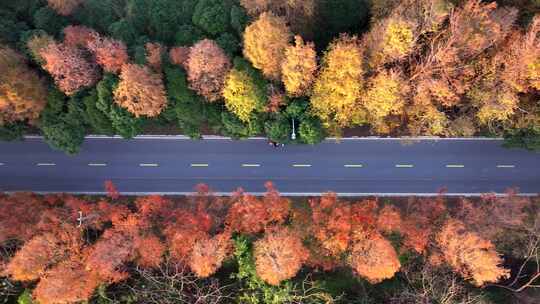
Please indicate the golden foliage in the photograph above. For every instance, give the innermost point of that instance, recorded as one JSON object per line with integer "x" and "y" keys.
{"x": 385, "y": 94}
{"x": 140, "y": 91}
{"x": 242, "y": 96}
{"x": 265, "y": 41}
{"x": 339, "y": 84}
{"x": 470, "y": 255}
{"x": 299, "y": 67}
{"x": 389, "y": 40}
{"x": 279, "y": 256}
{"x": 22, "y": 93}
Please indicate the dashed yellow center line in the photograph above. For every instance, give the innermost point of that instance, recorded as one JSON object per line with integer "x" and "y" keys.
{"x": 97, "y": 165}
{"x": 404, "y": 166}
{"x": 251, "y": 165}
{"x": 199, "y": 165}
{"x": 45, "y": 164}
{"x": 301, "y": 165}
{"x": 148, "y": 165}
{"x": 455, "y": 166}
{"x": 354, "y": 166}
{"x": 506, "y": 166}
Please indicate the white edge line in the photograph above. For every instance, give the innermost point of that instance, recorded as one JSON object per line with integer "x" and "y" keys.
{"x": 341, "y": 194}
{"x": 301, "y": 165}
{"x": 45, "y": 164}
{"x": 251, "y": 165}
{"x": 217, "y": 137}
{"x": 148, "y": 165}
{"x": 97, "y": 165}
{"x": 353, "y": 166}
{"x": 506, "y": 166}
{"x": 455, "y": 166}
{"x": 199, "y": 165}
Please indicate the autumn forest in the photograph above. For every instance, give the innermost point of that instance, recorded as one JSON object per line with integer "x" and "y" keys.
{"x": 271, "y": 249}
{"x": 241, "y": 68}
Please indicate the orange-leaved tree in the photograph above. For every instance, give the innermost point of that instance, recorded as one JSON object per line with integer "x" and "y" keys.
{"x": 265, "y": 41}
{"x": 207, "y": 255}
{"x": 373, "y": 257}
{"x": 78, "y": 35}
{"x": 279, "y": 256}
{"x": 207, "y": 66}
{"x": 249, "y": 214}
{"x": 111, "y": 54}
{"x": 140, "y": 91}
{"x": 70, "y": 67}
{"x": 470, "y": 255}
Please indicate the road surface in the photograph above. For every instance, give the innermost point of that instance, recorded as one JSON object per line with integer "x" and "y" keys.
{"x": 351, "y": 167}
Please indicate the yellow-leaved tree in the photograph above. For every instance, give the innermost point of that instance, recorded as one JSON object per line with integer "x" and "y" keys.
{"x": 242, "y": 95}
{"x": 22, "y": 92}
{"x": 385, "y": 94}
{"x": 299, "y": 67}
{"x": 337, "y": 90}
{"x": 265, "y": 41}
{"x": 390, "y": 39}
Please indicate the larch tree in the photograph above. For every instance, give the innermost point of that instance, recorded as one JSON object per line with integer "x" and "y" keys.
{"x": 338, "y": 87}
{"x": 154, "y": 55}
{"x": 67, "y": 282}
{"x": 385, "y": 94}
{"x": 22, "y": 93}
{"x": 35, "y": 257}
{"x": 149, "y": 251}
{"x": 390, "y": 39}
{"x": 373, "y": 257}
{"x": 207, "y": 66}
{"x": 70, "y": 67}
{"x": 471, "y": 256}
{"x": 179, "y": 55}
{"x": 36, "y": 43}
{"x": 300, "y": 14}
{"x": 78, "y": 35}
{"x": 110, "y": 54}
{"x": 242, "y": 95}
{"x": 522, "y": 59}
{"x": 140, "y": 91}
{"x": 249, "y": 214}
{"x": 265, "y": 41}
{"x": 208, "y": 254}
{"x": 279, "y": 256}
{"x": 299, "y": 67}
{"x": 331, "y": 223}
{"x": 64, "y": 7}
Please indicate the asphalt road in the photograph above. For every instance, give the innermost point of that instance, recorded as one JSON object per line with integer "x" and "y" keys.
{"x": 351, "y": 166}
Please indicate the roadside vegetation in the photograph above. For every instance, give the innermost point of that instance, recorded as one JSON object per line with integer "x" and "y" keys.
{"x": 60, "y": 248}
{"x": 249, "y": 67}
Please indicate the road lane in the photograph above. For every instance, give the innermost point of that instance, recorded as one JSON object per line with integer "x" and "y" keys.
{"x": 351, "y": 166}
